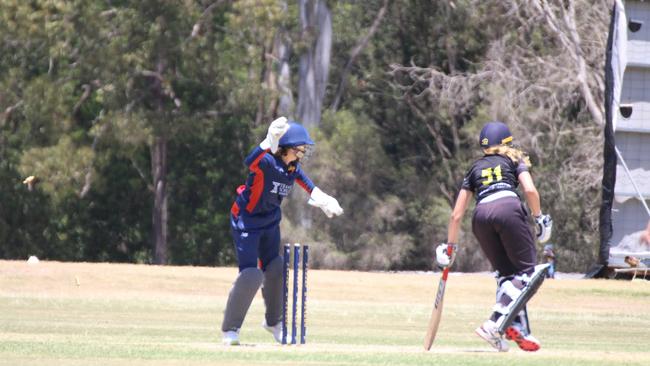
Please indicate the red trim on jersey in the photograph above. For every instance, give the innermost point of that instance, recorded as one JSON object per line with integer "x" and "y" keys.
{"x": 257, "y": 187}
{"x": 234, "y": 209}
{"x": 303, "y": 185}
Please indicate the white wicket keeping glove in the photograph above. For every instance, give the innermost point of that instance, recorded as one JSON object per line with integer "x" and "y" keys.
{"x": 325, "y": 202}
{"x": 276, "y": 130}
{"x": 543, "y": 227}
{"x": 445, "y": 255}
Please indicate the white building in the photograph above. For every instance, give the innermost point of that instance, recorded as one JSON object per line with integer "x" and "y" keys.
{"x": 632, "y": 136}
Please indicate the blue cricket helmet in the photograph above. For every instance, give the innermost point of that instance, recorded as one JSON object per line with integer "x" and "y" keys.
{"x": 296, "y": 135}
{"x": 495, "y": 133}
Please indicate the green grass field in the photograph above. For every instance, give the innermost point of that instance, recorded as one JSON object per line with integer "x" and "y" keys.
{"x": 115, "y": 314}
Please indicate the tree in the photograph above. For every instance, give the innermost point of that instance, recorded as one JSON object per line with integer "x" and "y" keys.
{"x": 106, "y": 81}
{"x": 135, "y": 116}
{"x": 154, "y": 58}
{"x": 528, "y": 78}
{"x": 316, "y": 39}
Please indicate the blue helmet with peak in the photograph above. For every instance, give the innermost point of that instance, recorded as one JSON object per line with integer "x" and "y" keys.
{"x": 495, "y": 133}
{"x": 296, "y": 135}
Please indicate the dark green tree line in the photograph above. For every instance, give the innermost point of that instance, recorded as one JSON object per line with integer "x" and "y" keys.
{"x": 135, "y": 117}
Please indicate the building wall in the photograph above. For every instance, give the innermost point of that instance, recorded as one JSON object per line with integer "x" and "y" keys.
{"x": 633, "y": 133}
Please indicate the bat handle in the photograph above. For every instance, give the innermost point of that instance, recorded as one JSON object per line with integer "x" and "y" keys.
{"x": 451, "y": 252}
{"x": 450, "y": 249}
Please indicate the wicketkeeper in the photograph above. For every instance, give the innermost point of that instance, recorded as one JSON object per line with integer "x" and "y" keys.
{"x": 274, "y": 166}
{"x": 500, "y": 224}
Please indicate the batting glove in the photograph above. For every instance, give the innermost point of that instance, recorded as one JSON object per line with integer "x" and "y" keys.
{"x": 276, "y": 130}
{"x": 445, "y": 254}
{"x": 543, "y": 227}
{"x": 325, "y": 202}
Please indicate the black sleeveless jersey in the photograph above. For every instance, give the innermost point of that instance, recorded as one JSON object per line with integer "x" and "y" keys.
{"x": 491, "y": 174}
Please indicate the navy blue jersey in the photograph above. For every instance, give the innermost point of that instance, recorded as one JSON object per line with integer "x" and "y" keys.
{"x": 270, "y": 180}
{"x": 491, "y": 174}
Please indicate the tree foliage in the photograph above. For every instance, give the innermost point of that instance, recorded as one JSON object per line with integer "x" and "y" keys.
{"x": 135, "y": 117}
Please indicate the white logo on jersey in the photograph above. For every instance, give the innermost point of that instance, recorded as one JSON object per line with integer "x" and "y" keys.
{"x": 280, "y": 188}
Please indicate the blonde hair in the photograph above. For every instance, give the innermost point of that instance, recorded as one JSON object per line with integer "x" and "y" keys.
{"x": 514, "y": 154}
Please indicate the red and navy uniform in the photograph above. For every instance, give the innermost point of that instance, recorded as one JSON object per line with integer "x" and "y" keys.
{"x": 256, "y": 213}
{"x": 500, "y": 221}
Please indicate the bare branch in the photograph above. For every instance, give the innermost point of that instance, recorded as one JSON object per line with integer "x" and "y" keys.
{"x": 152, "y": 74}
{"x": 568, "y": 35}
{"x": 142, "y": 175}
{"x": 196, "y": 29}
{"x": 88, "y": 179}
{"x": 356, "y": 51}
{"x": 87, "y": 89}
{"x": 9, "y": 111}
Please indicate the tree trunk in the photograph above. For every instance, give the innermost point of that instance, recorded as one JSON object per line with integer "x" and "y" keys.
{"x": 316, "y": 22}
{"x": 159, "y": 214}
{"x": 285, "y": 104}
{"x": 278, "y": 78}
{"x": 159, "y": 173}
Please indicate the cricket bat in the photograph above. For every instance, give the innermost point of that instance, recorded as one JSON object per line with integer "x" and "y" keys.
{"x": 436, "y": 314}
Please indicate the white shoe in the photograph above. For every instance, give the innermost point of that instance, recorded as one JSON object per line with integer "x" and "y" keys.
{"x": 276, "y": 330}
{"x": 488, "y": 331}
{"x": 231, "y": 338}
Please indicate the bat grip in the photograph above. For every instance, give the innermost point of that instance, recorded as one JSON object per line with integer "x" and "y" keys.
{"x": 450, "y": 249}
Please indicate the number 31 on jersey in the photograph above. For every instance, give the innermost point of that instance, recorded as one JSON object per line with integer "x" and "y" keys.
{"x": 491, "y": 175}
